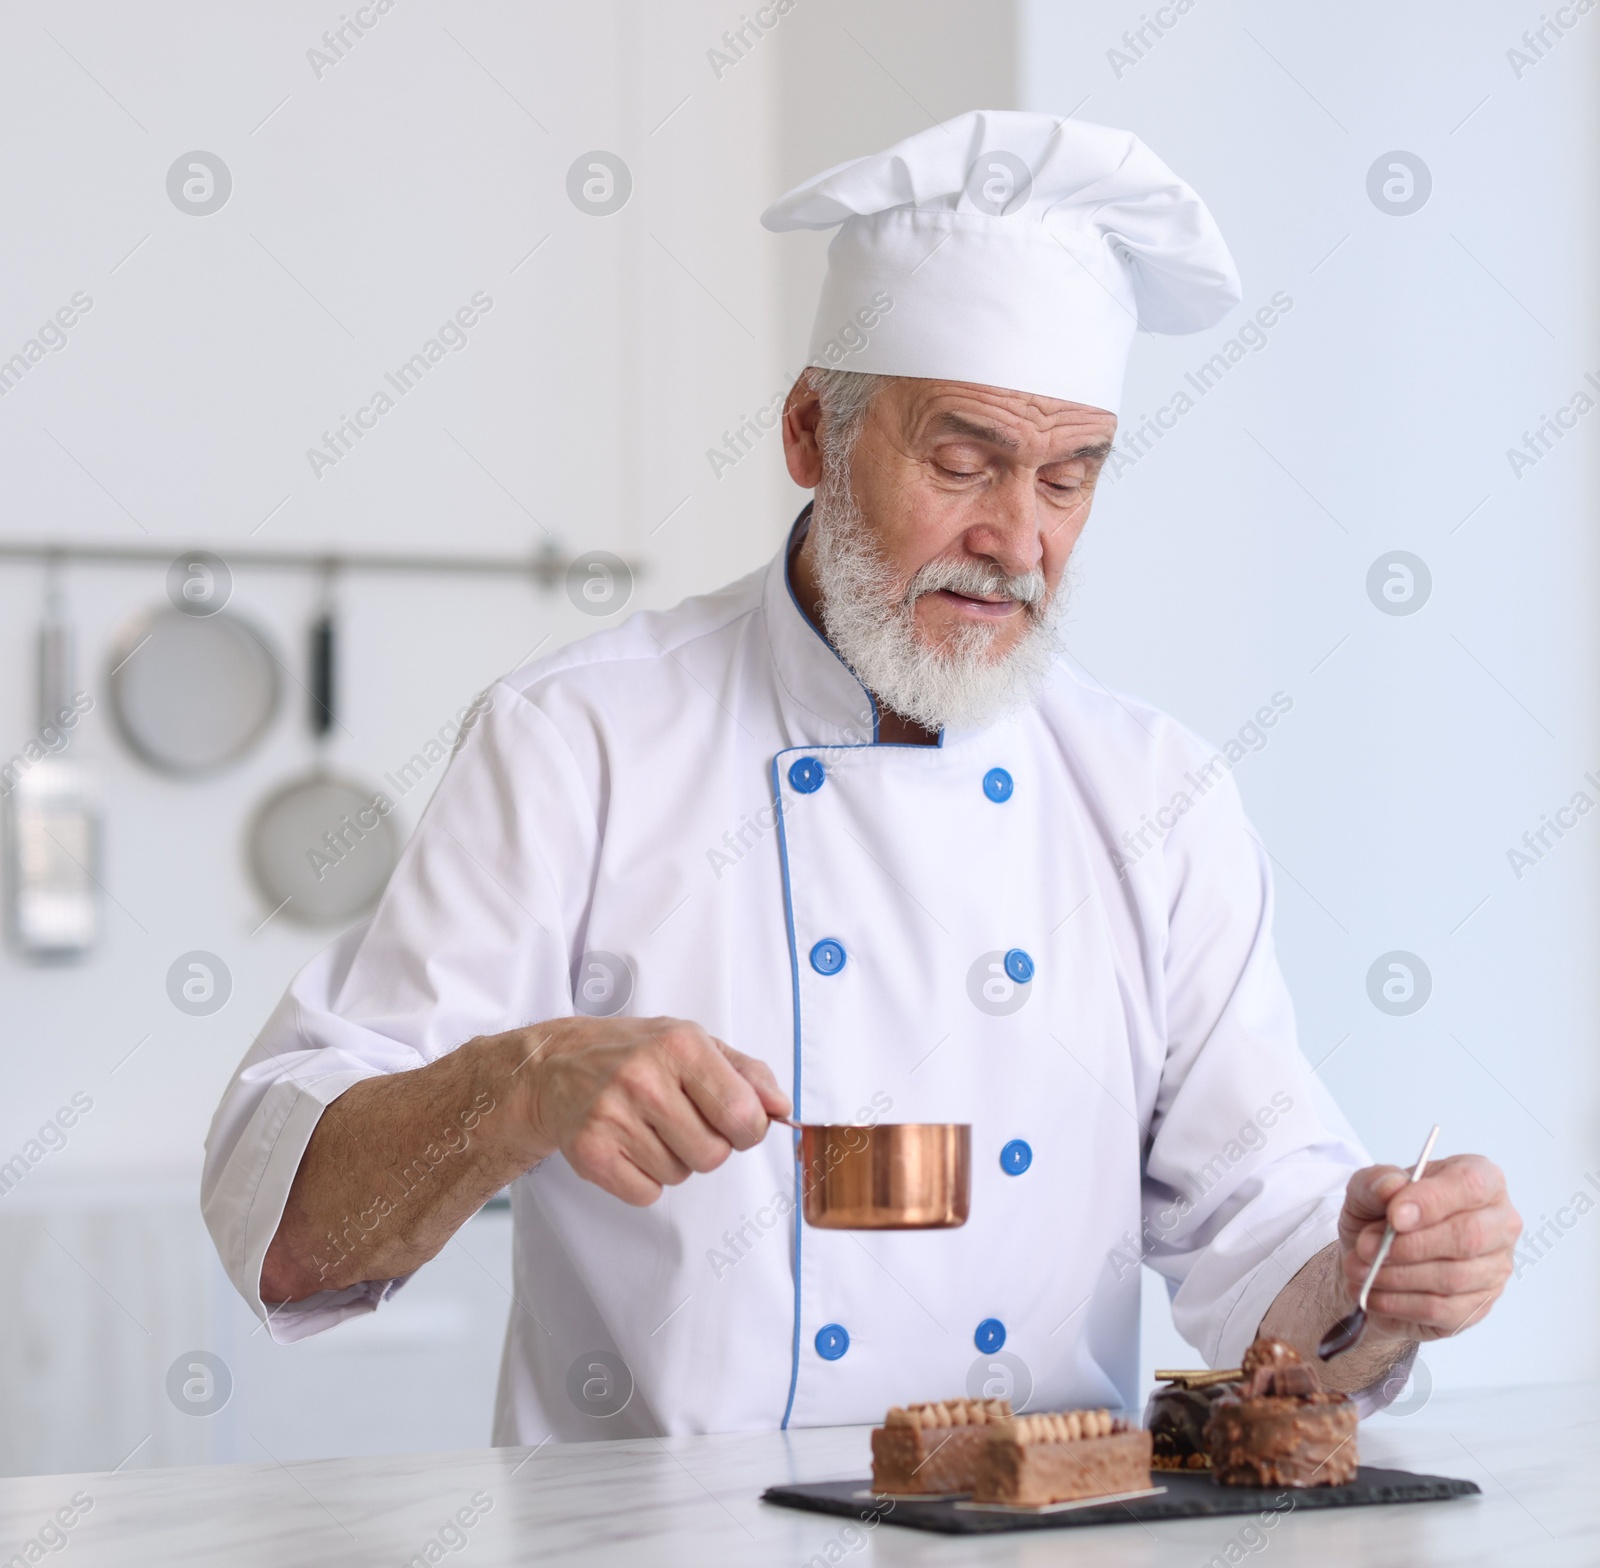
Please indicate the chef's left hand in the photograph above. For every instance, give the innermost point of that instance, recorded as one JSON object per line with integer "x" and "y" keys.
{"x": 1452, "y": 1253}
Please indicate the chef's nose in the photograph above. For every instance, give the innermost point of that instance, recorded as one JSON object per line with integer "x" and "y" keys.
{"x": 1008, "y": 530}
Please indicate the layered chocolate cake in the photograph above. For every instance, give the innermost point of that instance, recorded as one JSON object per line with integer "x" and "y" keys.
{"x": 1281, "y": 1427}
{"x": 1176, "y": 1417}
{"x": 1033, "y": 1460}
{"x": 932, "y": 1449}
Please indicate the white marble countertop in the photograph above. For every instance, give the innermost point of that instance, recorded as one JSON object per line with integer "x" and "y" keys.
{"x": 696, "y": 1502}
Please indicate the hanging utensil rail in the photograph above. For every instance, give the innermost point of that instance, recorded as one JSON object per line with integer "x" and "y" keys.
{"x": 546, "y": 566}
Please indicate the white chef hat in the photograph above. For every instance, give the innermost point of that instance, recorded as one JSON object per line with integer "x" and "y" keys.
{"x": 1009, "y": 249}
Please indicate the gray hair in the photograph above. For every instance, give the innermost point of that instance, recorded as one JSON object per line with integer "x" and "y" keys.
{"x": 845, "y": 396}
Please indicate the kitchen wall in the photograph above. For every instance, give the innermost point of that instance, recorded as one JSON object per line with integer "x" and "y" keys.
{"x": 1352, "y": 508}
{"x": 426, "y": 165}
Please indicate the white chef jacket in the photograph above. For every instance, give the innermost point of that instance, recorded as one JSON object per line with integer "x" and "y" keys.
{"x": 689, "y": 816}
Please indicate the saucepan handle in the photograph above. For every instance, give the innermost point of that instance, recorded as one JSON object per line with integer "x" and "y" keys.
{"x": 322, "y": 674}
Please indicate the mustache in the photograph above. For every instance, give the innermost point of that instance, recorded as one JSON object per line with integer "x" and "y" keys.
{"x": 979, "y": 579}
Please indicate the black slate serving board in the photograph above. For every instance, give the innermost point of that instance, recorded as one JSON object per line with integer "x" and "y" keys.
{"x": 1188, "y": 1495}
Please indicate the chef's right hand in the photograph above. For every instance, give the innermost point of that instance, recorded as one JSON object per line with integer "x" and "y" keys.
{"x": 636, "y": 1104}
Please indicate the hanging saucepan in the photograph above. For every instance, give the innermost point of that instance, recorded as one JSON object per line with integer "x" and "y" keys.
{"x": 892, "y": 1176}
{"x": 321, "y": 847}
{"x": 191, "y": 692}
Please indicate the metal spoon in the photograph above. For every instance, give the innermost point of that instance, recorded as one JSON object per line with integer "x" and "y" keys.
{"x": 1349, "y": 1329}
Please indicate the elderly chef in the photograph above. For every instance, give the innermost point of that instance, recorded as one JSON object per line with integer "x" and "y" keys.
{"x": 847, "y": 837}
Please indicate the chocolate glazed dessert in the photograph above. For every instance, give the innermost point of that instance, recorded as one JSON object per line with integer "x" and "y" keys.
{"x": 1282, "y": 1428}
{"x": 1176, "y": 1417}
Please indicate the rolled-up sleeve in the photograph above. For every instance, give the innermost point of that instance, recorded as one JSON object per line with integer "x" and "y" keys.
{"x": 1247, "y": 1158}
{"x": 470, "y": 938}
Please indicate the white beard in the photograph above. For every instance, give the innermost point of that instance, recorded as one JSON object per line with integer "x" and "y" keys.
{"x": 869, "y": 618}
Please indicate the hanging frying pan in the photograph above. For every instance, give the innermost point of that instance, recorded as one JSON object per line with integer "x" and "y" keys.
{"x": 321, "y": 847}
{"x": 191, "y": 693}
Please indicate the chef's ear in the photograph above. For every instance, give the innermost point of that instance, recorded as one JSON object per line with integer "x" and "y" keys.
{"x": 802, "y": 417}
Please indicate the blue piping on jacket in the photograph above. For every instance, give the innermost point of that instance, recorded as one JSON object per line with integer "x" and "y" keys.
{"x": 801, "y": 522}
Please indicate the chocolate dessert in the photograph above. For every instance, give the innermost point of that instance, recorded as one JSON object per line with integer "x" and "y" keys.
{"x": 1033, "y": 1460}
{"x": 1281, "y": 1427}
{"x": 1176, "y": 1417}
{"x": 932, "y": 1449}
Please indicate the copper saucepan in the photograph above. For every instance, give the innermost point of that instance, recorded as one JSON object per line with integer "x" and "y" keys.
{"x": 894, "y": 1176}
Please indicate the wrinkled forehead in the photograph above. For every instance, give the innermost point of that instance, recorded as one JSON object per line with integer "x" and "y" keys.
{"x": 1024, "y": 424}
